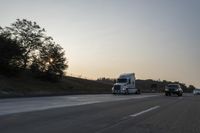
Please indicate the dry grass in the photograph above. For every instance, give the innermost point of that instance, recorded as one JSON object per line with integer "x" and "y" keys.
{"x": 25, "y": 86}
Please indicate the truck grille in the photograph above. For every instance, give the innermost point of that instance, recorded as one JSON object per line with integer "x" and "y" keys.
{"x": 172, "y": 89}
{"x": 117, "y": 87}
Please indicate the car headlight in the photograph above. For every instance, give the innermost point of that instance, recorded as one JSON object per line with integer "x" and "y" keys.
{"x": 166, "y": 89}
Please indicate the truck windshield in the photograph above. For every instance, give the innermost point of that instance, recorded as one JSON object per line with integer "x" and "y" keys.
{"x": 121, "y": 80}
{"x": 172, "y": 86}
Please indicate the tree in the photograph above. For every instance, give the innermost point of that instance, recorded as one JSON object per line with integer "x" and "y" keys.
{"x": 51, "y": 62}
{"x": 28, "y": 34}
{"x": 191, "y": 87}
{"x": 10, "y": 56}
{"x": 40, "y": 53}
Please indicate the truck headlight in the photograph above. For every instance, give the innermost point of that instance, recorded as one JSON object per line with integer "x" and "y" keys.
{"x": 124, "y": 89}
{"x": 166, "y": 89}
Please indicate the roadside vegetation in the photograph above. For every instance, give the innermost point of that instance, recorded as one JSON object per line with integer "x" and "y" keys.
{"x": 25, "y": 85}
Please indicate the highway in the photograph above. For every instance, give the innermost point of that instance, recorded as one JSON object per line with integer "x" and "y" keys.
{"x": 146, "y": 113}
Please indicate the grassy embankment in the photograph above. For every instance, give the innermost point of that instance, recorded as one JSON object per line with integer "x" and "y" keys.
{"x": 26, "y": 86}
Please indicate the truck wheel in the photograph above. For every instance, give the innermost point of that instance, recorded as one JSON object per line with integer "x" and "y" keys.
{"x": 138, "y": 92}
{"x": 180, "y": 94}
{"x": 127, "y": 92}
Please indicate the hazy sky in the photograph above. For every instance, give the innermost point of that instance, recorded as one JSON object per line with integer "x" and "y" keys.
{"x": 158, "y": 39}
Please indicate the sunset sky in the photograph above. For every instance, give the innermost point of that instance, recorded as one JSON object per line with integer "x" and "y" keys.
{"x": 155, "y": 39}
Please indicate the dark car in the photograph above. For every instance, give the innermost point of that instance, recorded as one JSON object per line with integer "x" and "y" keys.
{"x": 196, "y": 91}
{"x": 173, "y": 89}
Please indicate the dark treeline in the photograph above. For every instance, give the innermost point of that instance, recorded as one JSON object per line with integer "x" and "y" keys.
{"x": 106, "y": 80}
{"x": 24, "y": 46}
{"x": 150, "y": 85}
{"x": 159, "y": 86}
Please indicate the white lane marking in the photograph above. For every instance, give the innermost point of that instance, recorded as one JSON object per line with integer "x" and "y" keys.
{"x": 145, "y": 111}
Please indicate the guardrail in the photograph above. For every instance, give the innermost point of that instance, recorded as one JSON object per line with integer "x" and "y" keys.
{"x": 79, "y": 76}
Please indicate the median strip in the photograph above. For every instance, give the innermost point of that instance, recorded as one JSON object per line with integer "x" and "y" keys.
{"x": 145, "y": 111}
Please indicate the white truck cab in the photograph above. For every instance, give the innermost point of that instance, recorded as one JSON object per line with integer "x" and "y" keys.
{"x": 125, "y": 84}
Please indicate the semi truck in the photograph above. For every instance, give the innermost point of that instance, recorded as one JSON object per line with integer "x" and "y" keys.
{"x": 125, "y": 84}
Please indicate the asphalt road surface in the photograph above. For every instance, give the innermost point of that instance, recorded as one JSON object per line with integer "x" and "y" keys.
{"x": 146, "y": 113}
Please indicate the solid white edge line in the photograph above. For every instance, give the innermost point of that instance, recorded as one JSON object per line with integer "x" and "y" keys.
{"x": 145, "y": 111}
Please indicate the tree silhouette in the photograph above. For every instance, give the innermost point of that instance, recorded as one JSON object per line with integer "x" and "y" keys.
{"x": 191, "y": 87}
{"x": 28, "y": 34}
{"x": 51, "y": 62}
{"x": 10, "y": 56}
{"x": 39, "y": 52}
